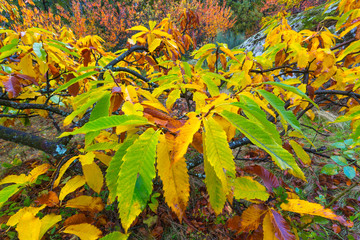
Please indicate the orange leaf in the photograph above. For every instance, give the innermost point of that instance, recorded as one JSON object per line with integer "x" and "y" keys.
{"x": 251, "y": 217}
{"x": 77, "y": 219}
{"x": 223, "y": 61}
{"x": 185, "y": 137}
{"x": 50, "y": 199}
{"x": 86, "y": 203}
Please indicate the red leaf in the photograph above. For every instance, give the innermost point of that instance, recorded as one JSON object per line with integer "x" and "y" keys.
{"x": 74, "y": 88}
{"x": 26, "y": 77}
{"x": 12, "y": 86}
{"x": 269, "y": 179}
{"x": 336, "y": 228}
{"x": 85, "y": 53}
{"x": 234, "y": 223}
{"x": 282, "y": 229}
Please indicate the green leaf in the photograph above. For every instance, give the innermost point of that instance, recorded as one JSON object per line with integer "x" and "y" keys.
{"x": 41, "y": 30}
{"x": 248, "y": 189}
{"x": 340, "y": 160}
{"x": 340, "y": 145}
{"x": 101, "y": 146}
{"x": 214, "y": 187}
{"x": 101, "y": 108}
{"x": 64, "y": 49}
{"x": 330, "y": 169}
{"x": 74, "y": 80}
{"x": 108, "y": 122}
{"x": 255, "y": 114}
{"x": 7, "y": 192}
{"x": 116, "y": 236}
{"x": 213, "y": 89}
{"x": 134, "y": 185}
{"x": 349, "y": 172}
{"x": 279, "y": 106}
{"x": 113, "y": 170}
{"x": 39, "y": 51}
{"x": 218, "y": 151}
{"x": 187, "y": 69}
{"x": 265, "y": 141}
{"x": 292, "y": 89}
{"x": 9, "y": 53}
{"x": 8, "y": 47}
{"x": 353, "y": 47}
{"x": 94, "y": 98}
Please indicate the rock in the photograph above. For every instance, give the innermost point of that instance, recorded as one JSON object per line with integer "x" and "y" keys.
{"x": 309, "y": 19}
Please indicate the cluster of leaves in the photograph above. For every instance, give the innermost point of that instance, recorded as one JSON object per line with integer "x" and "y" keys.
{"x": 96, "y": 18}
{"x": 126, "y": 105}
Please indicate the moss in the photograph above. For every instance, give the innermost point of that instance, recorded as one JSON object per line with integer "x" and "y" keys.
{"x": 311, "y": 18}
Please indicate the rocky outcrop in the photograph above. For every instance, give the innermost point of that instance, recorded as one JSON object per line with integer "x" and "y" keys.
{"x": 310, "y": 19}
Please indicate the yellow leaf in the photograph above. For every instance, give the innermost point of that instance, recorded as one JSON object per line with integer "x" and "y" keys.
{"x": 300, "y": 152}
{"x": 87, "y": 158}
{"x": 172, "y": 97}
{"x": 138, "y": 28}
{"x": 14, "y": 219}
{"x": 154, "y": 44}
{"x": 71, "y": 186}
{"x": 37, "y": 172}
{"x": 47, "y": 222}
{"x": 152, "y": 24}
{"x": 132, "y": 109}
{"x": 185, "y": 136}
{"x": 268, "y": 228}
{"x": 156, "y": 105}
{"x": 229, "y": 53}
{"x": 84, "y": 231}
{"x": 247, "y": 188}
{"x": 105, "y": 159}
{"x": 94, "y": 177}
{"x": 86, "y": 203}
{"x": 229, "y": 129}
{"x": 211, "y": 59}
{"x": 162, "y": 33}
{"x": 303, "y": 58}
{"x": 130, "y": 94}
{"x": 63, "y": 170}
{"x": 21, "y": 179}
{"x": 305, "y": 207}
{"x": 26, "y": 66}
{"x": 175, "y": 177}
{"x": 25, "y": 231}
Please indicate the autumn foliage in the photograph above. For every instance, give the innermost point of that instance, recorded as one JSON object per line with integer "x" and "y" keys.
{"x": 147, "y": 122}
{"x": 110, "y": 23}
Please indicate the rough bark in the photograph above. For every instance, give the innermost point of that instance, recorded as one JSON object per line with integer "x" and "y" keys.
{"x": 55, "y": 149}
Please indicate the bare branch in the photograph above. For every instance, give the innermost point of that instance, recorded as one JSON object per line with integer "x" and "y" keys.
{"x": 55, "y": 149}
{"x": 22, "y": 106}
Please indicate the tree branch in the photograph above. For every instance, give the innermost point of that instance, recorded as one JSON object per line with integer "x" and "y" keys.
{"x": 55, "y": 149}
{"x": 132, "y": 72}
{"x": 337, "y": 92}
{"x": 22, "y": 106}
{"x": 124, "y": 55}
